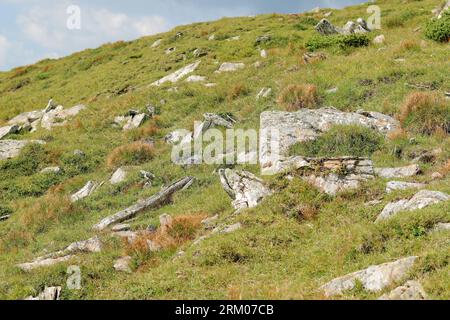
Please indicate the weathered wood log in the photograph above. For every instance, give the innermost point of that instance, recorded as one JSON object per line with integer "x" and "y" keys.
{"x": 158, "y": 199}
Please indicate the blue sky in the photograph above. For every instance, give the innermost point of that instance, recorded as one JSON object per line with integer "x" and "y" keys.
{"x": 31, "y": 30}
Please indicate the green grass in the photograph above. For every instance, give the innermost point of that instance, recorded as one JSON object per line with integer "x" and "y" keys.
{"x": 291, "y": 244}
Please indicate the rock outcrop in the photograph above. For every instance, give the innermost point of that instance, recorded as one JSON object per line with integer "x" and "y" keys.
{"x": 246, "y": 190}
{"x": 280, "y": 130}
{"x": 58, "y": 117}
{"x": 11, "y": 148}
{"x": 325, "y": 27}
{"x": 49, "y": 294}
{"x": 373, "y": 279}
{"x": 87, "y": 246}
{"x": 177, "y": 75}
{"x": 158, "y": 199}
{"x": 421, "y": 200}
{"x": 402, "y": 172}
{"x": 412, "y": 290}
{"x": 4, "y": 131}
{"x": 400, "y": 185}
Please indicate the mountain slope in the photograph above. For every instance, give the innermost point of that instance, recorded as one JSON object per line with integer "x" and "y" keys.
{"x": 278, "y": 253}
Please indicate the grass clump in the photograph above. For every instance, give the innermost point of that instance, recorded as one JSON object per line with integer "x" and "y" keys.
{"x": 425, "y": 113}
{"x": 439, "y": 29}
{"x": 341, "y": 140}
{"x": 338, "y": 41}
{"x": 295, "y": 97}
{"x": 133, "y": 154}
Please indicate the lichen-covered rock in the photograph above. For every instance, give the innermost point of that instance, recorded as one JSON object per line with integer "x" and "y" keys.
{"x": 4, "y": 131}
{"x": 123, "y": 264}
{"x": 402, "y": 172}
{"x": 58, "y": 117}
{"x": 135, "y": 122}
{"x": 51, "y": 170}
{"x": 421, "y": 200}
{"x": 246, "y": 190}
{"x": 85, "y": 192}
{"x": 412, "y": 290}
{"x": 400, "y": 185}
{"x": 230, "y": 67}
{"x": 49, "y": 294}
{"x": 373, "y": 279}
{"x": 280, "y": 130}
{"x": 325, "y": 28}
{"x": 119, "y": 176}
{"x": 11, "y": 148}
{"x": 177, "y": 75}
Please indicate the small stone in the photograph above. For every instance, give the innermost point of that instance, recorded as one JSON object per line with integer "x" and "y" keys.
{"x": 209, "y": 222}
{"x": 332, "y": 90}
{"x": 196, "y": 79}
{"x": 165, "y": 222}
{"x": 412, "y": 290}
{"x": 123, "y": 265}
{"x": 156, "y": 43}
{"x": 51, "y": 170}
{"x": 230, "y": 67}
{"x": 170, "y": 50}
{"x": 121, "y": 227}
{"x": 119, "y": 176}
{"x": 177, "y": 75}
{"x": 379, "y": 39}
{"x": 263, "y": 54}
{"x": 441, "y": 227}
{"x": 49, "y": 294}
{"x": 399, "y": 185}
{"x": 85, "y": 192}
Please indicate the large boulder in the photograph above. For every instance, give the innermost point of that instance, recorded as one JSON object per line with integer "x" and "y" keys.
{"x": 421, "y": 200}
{"x": 280, "y": 130}
{"x": 177, "y": 75}
{"x": 246, "y": 190}
{"x": 373, "y": 279}
{"x": 11, "y": 148}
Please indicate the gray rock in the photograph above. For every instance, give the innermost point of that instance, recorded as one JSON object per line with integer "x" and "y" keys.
{"x": 11, "y": 148}
{"x": 171, "y": 50}
{"x": 49, "y": 294}
{"x": 230, "y": 67}
{"x": 399, "y": 185}
{"x": 263, "y": 54}
{"x": 402, "y": 172}
{"x": 289, "y": 128}
{"x": 119, "y": 176}
{"x": 135, "y": 122}
{"x": 165, "y": 222}
{"x": 246, "y": 190}
{"x": 210, "y": 222}
{"x": 263, "y": 39}
{"x": 373, "y": 279}
{"x": 4, "y": 131}
{"x": 412, "y": 290}
{"x": 229, "y": 229}
{"x": 381, "y": 39}
{"x": 51, "y": 170}
{"x": 198, "y": 53}
{"x": 123, "y": 264}
{"x": 121, "y": 227}
{"x": 85, "y": 192}
{"x": 421, "y": 200}
{"x": 325, "y": 28}
{"x": 157, "y": 43}
{"x": 196, "y": 79}
{"x": 441, "y": 227}
{"x": 178, "y": 75}
{"x": 58, "y": 117}
{"x": 26, "y": 117}
{"x": 178, "y": 137}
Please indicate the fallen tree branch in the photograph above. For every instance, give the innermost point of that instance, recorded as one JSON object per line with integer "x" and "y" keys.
{"x": 152, "y": 202}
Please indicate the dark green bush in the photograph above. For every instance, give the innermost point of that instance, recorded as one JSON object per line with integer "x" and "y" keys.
{"x": 339, "y": 41}
{"x": 439, "y": 29}
{"x": 341, "y": 140}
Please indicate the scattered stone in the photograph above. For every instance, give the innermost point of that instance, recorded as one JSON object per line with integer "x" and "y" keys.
{"x": 210, "y": 85}
{"x": 148, "y": 178}
{"x": 177, "y": 75}
{"x": 212, "y": 37}
{"x": 170, "y": 50}
{"x": 178, "y": 137}
{"x": 88, "y": 246}
{"x": 123, "y": 264}
{"x": 216, "y": 120}
{"x": 11, "y": 148}
{"x": 412, "y": 290}
{"x": 228, "y": 229}
{"x": 85, "y": 192}
{"x": 264, "y": 93}
{"x": 402, "y": 172}
{"x": 5, "y": 217}
{"x": 373, "y": 203}
{"x": 27, "y": 117}
{"x": 325, "y": 28}
{"x": 49, "y": 294}
{"x": 198, "y": 53}
{"x": 399, "y": 185}
{"x": 51, "y": 170}
{"x": 156, "y": 43}
{"x": 332, "y": 90}
{"x": 246, "y": 190}
{"x": 263, "y": 54}
{"x": 135, "y": 121}
{"x": 440, "y": 11}
{"x": 121, "y": 227}
{"x": 373, "y": 279}
{"x": 158, "y": 199}
{"x": 427, "y": 156}
{"x": 308, "y": 124}
{"x": 421, "y": 200}
{"x": 4, "y": 131}
{"x": 119, "y": 176}
{"x": 441, "y": 227}
{"x": 230, "y": 67}
{"x": 58, "y": 117}
{"x": 79, "y": 153}
{"x": 381, "y": 39}
{"x": 196, "y": 79}
{"x": 437, "y": 176}
{"x": 210, "y": 222}
{"x": 165, "y": 222}
{"x": 130, "y": 236}
{"x": 263, "y": 39}
{"x": 236, "y": 38}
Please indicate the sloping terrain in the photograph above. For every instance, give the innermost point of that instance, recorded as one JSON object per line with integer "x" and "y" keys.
{"x": 298, "y": 238}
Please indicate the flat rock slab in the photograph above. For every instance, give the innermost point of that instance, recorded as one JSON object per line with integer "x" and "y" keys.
{"x": 400, "y": 185}
{"x": 401, "y": 172}
{"x": 177, "y": 75}
{"x": 11, "y": 148}
{"x": 281, "y": 130}
{"x": 230, "y": 67}
{"x": 421, "y": 200}
{"x": 412, "y": 290}
{"x": 373, "y": 279}
{"x": 246, "y": 190}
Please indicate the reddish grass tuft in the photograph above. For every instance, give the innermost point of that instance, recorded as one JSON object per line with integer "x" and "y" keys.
{"x": 295, "y": 97}
{"x": 132, "y": 154}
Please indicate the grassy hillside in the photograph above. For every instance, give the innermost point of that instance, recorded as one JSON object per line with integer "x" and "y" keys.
{"x": 279, "y": 253}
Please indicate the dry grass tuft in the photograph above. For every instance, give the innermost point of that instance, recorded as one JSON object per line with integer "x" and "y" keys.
{"x": 295, "y": 97}
{"x": 132, "y": 154}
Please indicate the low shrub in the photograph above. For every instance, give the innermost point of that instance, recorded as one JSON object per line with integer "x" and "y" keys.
{"x": 439, "y": 29}
{"x": 295, "y": 97}
{"x": 338, "y": 41}
{"x": 132, "y": 154}
{"x": 425, "y": 113}
{"x": 342, "y": 140}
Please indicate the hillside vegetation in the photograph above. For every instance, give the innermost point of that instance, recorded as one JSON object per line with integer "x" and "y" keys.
{"x": 293, "y": 242}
